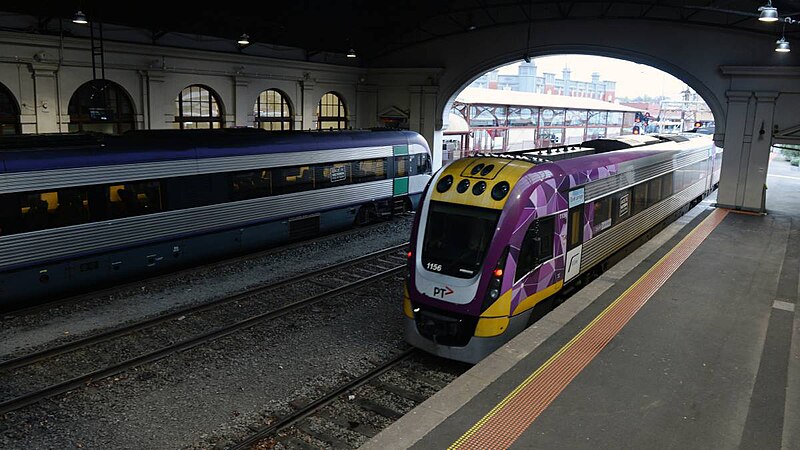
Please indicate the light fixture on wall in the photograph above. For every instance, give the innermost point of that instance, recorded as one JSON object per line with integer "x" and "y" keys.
{"x": 80, "y": 18}
{"x": 768, "y": 13}
{"x": 244, "y": 39}
{"x": 351, "y": 53}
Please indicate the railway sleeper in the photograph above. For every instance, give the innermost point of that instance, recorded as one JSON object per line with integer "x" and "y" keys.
{"x": 305, "y": 428}
{"x": 369, "y": 405}
{"x": 361, "y": 428}
{"x": 438, "y": 385}
{"x": 399, "y": 391}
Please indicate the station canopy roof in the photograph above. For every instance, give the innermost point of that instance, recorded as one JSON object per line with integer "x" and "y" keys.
{"x": 479, "y": 96}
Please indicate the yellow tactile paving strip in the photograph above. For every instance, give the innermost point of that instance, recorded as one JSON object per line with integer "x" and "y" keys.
{"x": 514, "y": 414}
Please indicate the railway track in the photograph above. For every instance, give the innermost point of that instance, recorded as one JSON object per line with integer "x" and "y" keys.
{"x": 349, "y": 414}
{"x": 108, "y": 353}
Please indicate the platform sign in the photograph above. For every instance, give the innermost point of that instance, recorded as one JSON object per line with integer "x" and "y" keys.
{"x": 576, "y": 197}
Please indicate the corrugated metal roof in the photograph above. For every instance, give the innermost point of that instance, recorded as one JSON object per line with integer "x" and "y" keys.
{"x": 479, "y": 96}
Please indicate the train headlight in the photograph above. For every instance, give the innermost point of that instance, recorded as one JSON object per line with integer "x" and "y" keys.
{"x": 500, "y": 190}
{"x": 495, "y": 282}
{"x": 494, "y": 293}
{"x": 444, "y": 184}
{"x": 462, "y": 187}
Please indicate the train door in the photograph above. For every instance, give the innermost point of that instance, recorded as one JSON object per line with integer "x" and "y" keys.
{"x": 574, "y": 235}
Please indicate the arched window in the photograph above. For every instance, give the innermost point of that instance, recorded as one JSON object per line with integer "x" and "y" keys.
{"x": 272, "y": 111}
{"x": 198, "y": 107}
{"x": 331, "y": 112}
{"x": 9, "y": 113}
{"x": 101, "y": 105}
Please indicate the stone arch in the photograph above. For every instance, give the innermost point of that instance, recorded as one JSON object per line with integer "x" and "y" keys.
{"x": 331, "y": 112}
{"x": 199, "y": 106}
{"x": 9, "y": 113}
{"x": 273, "y": 110}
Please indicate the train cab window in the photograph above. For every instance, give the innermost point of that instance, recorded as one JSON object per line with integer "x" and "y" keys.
{"x": 639, "y": 198}
{"x": 457, "y": 238}
{"x": 423, "y": 164}
{"x": 134, "y": 199}
{"x": 369, "y": 170}
{"x": 401, "y": 166}
{"x": 537, "y": 246}
{"x": 251, "y": 184}
{"x": 602, "y": 215}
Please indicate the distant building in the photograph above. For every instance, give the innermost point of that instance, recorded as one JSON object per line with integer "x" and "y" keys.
{"x": 675, "y": 116}
{"x": 527, "y": 80}
{"x": 486, "y": 120}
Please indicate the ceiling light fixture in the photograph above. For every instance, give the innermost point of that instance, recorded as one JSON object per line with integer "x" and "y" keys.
{"x": 768, "y": 12}
{"x": 80, "y": 18}
{"x": 244, "y": 39}
{"x": 351, "y": 53}
{"x": 782, "y": 46}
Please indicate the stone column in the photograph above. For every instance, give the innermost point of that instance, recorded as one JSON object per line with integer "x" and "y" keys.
{"x": 160, "y": 105}
{"x": 367, "y": 103}
{"x": 748, "y": 138}
{"x": 241, "y": 103}
{"x": 737, "y": 143}
{"x": 310, "y": 101}
{"x": 423, "y": 120}
{"x": 45, "y": 97}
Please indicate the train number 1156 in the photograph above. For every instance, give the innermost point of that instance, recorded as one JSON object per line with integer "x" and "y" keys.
{"x": 434, "y": 267}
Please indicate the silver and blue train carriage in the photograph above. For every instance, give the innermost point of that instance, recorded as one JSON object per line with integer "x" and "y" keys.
{"x": 497, "y": 236}
{"x": 78, "y": 211}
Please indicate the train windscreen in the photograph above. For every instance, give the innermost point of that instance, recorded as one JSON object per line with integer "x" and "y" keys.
{"x": 457, "y": 238}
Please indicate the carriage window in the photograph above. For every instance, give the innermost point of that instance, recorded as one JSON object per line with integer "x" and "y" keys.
{"x": 653, "y": 192}
{"x": 666, "y": 185}
{"x": 537, "y": 246}
{"x": 135, "y": 198}
{"x": 369, "y": 170}
{"x": 401, "y": 166}
{"x": 602, "y": 215}
{"x": 251, "y": 184}
{"x": 293, "y": 179}
{"x": 639, "y": 198}
{"x": 54, "y": 209}
{"x": 330, "y": 175}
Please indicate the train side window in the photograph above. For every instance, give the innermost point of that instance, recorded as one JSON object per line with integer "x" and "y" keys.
{"x": 10, "y": 214}
{"x": 653, "y": 191}
{"x": 666, "y": 186}
{"x": 537, "y": 246}
{"x": 251, "y": 184}
{"x": 135, "y": 198}
{"x": 401, "y": 166}
{"x": 369, "y": 170}
{"x": 621, "y": 206}
{"x": 639, "y": 198}
{"x": 330, "y": 175}
{"x": 602, "y": 215}
{"x": 35, "y": 209}
{"x": 288, "y": 180}
{"x": 575, "y": 236}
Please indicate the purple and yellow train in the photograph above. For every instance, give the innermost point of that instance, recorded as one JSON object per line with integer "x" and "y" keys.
{"x": 496, "y": 236}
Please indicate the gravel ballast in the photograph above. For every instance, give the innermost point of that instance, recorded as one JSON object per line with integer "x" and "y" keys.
{"x": 212, "y": 395}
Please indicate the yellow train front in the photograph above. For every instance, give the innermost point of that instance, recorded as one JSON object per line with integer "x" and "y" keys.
{"x": 467, "y": 252}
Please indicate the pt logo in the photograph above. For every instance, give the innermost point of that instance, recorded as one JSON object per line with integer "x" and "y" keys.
{"x": 441, "y": 292}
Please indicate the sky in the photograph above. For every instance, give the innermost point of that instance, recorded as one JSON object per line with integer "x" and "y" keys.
{"x": 632, "y": 79}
